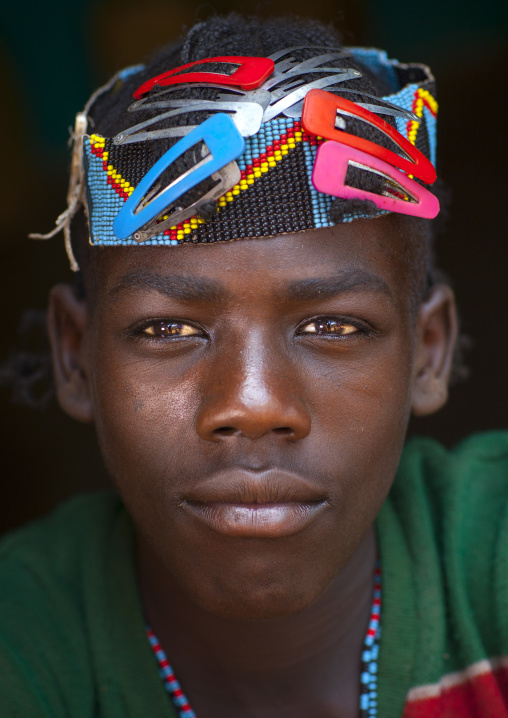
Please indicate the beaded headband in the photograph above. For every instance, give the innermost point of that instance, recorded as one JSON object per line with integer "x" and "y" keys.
{"x": 272, "y": 156}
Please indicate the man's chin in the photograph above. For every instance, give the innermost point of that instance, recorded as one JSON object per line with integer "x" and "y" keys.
{"x": 251, "y": 601}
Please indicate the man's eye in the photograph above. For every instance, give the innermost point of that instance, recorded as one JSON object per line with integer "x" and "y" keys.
{"x": 161, "y": 330}
{"x": 328, "y": 327}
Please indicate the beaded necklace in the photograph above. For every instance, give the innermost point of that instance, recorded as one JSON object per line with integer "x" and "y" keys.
{"x": 368, "y": 681}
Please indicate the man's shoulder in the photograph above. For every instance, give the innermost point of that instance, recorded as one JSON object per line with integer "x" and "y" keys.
{"x": 55, "y": 543}
{"x": 447, "y": 492}
{"x": 52, "y": 577}
{"x": 45, "y": 566}
{"x": 488, "y": 445}
{"x": 480, "y": 461}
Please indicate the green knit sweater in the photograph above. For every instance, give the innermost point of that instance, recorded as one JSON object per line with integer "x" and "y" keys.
{"x": 72, "y": 636}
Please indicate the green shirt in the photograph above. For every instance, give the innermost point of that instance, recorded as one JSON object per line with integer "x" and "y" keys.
{"x": 72, "y": 633}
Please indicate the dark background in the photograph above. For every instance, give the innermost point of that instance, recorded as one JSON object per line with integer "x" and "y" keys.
{"x": 53, "y": 53}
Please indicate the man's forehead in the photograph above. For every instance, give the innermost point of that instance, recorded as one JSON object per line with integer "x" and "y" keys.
{"x": 358, "y": 256}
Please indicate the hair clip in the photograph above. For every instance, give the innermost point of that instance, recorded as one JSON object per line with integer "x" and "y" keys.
{"x": 402, "y": 194}
{"x": 295, "y": 74}
{"x": 246, "y": 116}
{"x": 289, "y": 84}
{"x": 286, "y": 87}
{"x": 314, "y": 62}
{"x": 226, "y": 179}
{"x": 225, "y": 144}
{"x": 298, "y": 94}
{"x": 295, "y": 111}
{"x": 387, "y": 108}
{"x": 290, "y": 68}
{"x": 280, "y": 53}
{"x": 319, "y": 117}
{"x": 250, "y": 74}
{"x": 259, "y": 96}
{"x": 228, "y": 94}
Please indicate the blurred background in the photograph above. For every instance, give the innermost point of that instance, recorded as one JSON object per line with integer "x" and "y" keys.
{"x": 54, "y": 53}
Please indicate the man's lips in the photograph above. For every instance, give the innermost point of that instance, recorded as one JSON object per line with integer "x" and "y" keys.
{"x": 266, "y": 504}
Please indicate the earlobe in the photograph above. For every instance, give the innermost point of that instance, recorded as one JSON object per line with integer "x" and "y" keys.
{"x": 67, "y": 327}
{"x": 437, "y": 328}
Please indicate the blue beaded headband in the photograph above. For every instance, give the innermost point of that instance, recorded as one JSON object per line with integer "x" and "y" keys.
{"x": 253, "y": 175}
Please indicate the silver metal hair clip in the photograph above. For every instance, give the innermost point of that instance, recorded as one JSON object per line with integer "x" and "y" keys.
{"x": 297, "y": 96}
{"x": 246, "y": 116}
{"x": 390, "y": 182}
{"x": 341, "y": 124}
{"x": 288, "y": 86}
{"x": 260, "y": 97}
{"x": 289, "y": 67}
{"x": 280, "y": 53}
{"x": 227, "y": 178}
{"x": 228, "y": 94}
{"x": 284, "y": 77}
{"x": 295, "y": 111}
{"x": 387, "y": 108}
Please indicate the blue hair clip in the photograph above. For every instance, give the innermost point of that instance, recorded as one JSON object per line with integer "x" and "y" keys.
{"x": 225, "y": 144}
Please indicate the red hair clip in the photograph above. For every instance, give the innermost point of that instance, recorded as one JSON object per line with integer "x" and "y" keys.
{"x": 250, "y": 74}
{"x": 319, "y": 118}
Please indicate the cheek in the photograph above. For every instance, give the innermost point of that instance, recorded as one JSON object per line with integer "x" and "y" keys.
{"x": 362, "y": 423}
{"x": 366, "y": 402}
{"x": 144, "y": 419}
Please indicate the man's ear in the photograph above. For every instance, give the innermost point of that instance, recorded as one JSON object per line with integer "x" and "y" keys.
{"x": 67, "y": 327}
{"x": 436, "y": 334}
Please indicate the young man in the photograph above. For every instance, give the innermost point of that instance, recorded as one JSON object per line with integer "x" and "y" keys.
{"x": 251, "y": 400}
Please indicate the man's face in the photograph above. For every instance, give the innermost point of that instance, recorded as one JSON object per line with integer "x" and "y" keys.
{"x": 251, "y": 401}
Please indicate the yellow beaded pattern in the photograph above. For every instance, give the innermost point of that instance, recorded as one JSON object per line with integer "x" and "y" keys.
{"x": 270, "y": 158}
{"x": 119, "y": 184}
{"x": 422, "y": 99}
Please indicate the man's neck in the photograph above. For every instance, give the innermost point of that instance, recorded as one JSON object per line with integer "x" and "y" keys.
{"x": 300, "y": 665}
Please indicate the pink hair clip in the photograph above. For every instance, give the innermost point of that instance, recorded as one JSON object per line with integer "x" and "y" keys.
{"x": 250, "y": 74}
{"x": 319, "y": 117}
{"x": 401, "y": 194}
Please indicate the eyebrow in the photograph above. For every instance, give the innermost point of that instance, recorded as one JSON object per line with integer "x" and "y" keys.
{"x": 326, "y": 288}
{"x": 202, "y": 289}
{"x": 181, "y": 287}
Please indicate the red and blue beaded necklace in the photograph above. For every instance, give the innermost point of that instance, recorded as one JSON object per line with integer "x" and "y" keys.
{"x": 368, "y": 684}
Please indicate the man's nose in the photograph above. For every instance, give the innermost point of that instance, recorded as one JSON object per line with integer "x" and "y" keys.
{"x": 253, "y": 392}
